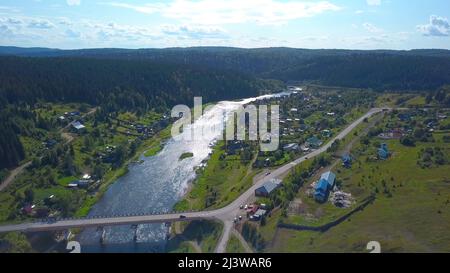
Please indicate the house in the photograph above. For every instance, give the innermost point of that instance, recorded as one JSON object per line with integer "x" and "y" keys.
{"x": 268, "y": 187}
{"x": 74, "y": 113}
{"x": 260, "y": 213}
{"x": 252, "y": 209}
{"x": 314, "y": 142}
{"x": 326, "y": 133}
{"x": 347, "y": 161}
{"x": 78, "y": 126}
{"x": 50, "y": 143}
{"x": 303, "y": 127}
{"x": 86, "y": 177}
{"x": 323, "y": 187}
{"x": 82, "y": 183}
{"x": 304, "y": 149}
{"x": 28, "y": 209}
{"x": 291, "y": 147}
{"x": 383, "y": 152}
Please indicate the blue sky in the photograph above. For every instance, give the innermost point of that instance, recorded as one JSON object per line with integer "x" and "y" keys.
{"x": 355, "y": 24}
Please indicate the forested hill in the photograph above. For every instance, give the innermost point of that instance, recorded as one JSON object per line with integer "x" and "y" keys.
{"x": 121, "y": 83}
{"x": 377, "y": 69}
{"x": 113, "y": 84}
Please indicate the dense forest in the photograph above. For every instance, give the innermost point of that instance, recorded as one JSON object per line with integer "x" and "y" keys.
{"x": 376, "y": 69}
{"x": 124, "y": 83}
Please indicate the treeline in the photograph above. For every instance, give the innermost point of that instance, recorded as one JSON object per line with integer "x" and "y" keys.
{"x": 359, "y": 69}
{"x": 121, "y": 84}
{"x": 376, "y": 69}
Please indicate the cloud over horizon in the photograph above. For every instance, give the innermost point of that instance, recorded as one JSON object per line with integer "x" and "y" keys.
{"x": 437, "y": 26}
{"x": 211, "y": 12}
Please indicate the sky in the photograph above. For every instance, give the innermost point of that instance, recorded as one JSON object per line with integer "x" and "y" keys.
{"x": 345, "y": 24}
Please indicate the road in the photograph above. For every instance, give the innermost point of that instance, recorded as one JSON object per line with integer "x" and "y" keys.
{"x": 13, "y": 174}
{"x": 18, "y": 170}
{"x": 225, "y": 214}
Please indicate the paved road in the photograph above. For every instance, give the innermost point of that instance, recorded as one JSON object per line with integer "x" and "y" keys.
{"x": 241, "y": 239}
{"x": 225, "y": 214}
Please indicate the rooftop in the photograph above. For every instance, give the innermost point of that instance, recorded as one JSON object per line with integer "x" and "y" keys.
{"x": 77, "y": 125}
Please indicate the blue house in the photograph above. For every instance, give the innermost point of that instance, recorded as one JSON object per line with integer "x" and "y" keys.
{"x": 323, "y": 187}
{"x": 383, "y": 152}
{"x": 347, "y": 161}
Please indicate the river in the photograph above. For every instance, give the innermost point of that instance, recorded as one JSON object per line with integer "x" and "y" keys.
{"x": 156, "y": 185}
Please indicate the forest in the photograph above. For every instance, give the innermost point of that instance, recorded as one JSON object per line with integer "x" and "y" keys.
{"x": 377, "y": 69}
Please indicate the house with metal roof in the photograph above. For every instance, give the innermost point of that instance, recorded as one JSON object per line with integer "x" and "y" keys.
{"x": 323, "y": 187}
{"x": 291, "y": 147}
{"x": 314, "y": 142}
{"x": 268, "y": 187}
{"x": 78, "y": 126}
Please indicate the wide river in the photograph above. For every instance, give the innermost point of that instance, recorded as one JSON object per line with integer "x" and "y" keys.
{"x": 156, "y": 185}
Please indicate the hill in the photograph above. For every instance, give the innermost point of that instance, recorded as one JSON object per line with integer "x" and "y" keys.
{"x": 378, "y": 69}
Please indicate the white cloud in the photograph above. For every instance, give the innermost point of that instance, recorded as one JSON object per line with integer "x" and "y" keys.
{"x": 5, "y": 31}
{"x": 73, "y": 34}
{"x": 438, "y": 26}
{"x": 5, "y": 9}
{"x": 194, "y": 32}
{"x": 147, "y": 8}
{"x": 211, "y": 12}
{"x": 40, "y": 23}
{"x": 73, "y": 2}
{"x": 373, "y": 2}
{"x": 14, "y": 21}
{"x": 371, "y": 28}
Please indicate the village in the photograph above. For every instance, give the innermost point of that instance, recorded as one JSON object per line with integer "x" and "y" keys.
{"x": 326, "y": 197}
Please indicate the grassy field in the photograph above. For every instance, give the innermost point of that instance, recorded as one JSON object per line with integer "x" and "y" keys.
{"x": 411, "y": 211}
{"x": 234, "y": 245}
{"x": 196, "y": 236}
{"x": 222, "y": 181}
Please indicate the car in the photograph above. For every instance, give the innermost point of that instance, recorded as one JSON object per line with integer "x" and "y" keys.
{"x": 246, "y": 207}
{"x": 267, "y": 173}
{"x": 182, "y": 216}
{"x": 241, "y": 207}
{"x": 240, "y": 217}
